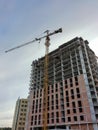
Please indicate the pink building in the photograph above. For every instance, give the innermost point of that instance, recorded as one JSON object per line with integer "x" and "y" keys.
{"x": 72, "y": 91}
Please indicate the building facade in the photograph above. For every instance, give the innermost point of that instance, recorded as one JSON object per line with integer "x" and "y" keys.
{"x": 20, "y": 114}
{"x": 72, "y": 91}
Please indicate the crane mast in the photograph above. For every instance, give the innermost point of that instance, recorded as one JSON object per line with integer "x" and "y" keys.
{"x": 46, "y": 82}
{"x": 46, "y": 63}
{"x": 45, "y": 89}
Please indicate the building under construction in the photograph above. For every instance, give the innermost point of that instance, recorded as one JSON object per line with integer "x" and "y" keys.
{"x": 72, "y": 99}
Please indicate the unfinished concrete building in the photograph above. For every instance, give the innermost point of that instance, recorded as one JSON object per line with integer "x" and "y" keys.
{"x": 72, "y": 91}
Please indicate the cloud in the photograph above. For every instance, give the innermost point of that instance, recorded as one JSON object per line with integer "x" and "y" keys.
{"x": 6, "y": 9}
{"x": 6, "y": 115}
{"x": 94, "y": 45}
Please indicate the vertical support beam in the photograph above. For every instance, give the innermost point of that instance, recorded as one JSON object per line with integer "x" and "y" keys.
{"x": 54, "y": 71}
{"x": 71, "y": 64}
{"x": 62, "y": 70}
{"x": 77, "y": 62}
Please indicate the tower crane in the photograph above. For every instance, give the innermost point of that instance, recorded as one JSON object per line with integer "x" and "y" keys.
{"x": 45, "y": 88}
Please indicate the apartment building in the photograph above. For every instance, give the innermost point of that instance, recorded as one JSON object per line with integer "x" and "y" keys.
{"x": 72, "y": 91}
{"x": 20, "y": 114}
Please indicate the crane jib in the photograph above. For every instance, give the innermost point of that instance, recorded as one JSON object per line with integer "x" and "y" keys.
{"x": 36, "y": 39}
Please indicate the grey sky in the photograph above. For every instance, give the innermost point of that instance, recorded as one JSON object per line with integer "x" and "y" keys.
{"x": 22, "y": 21}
